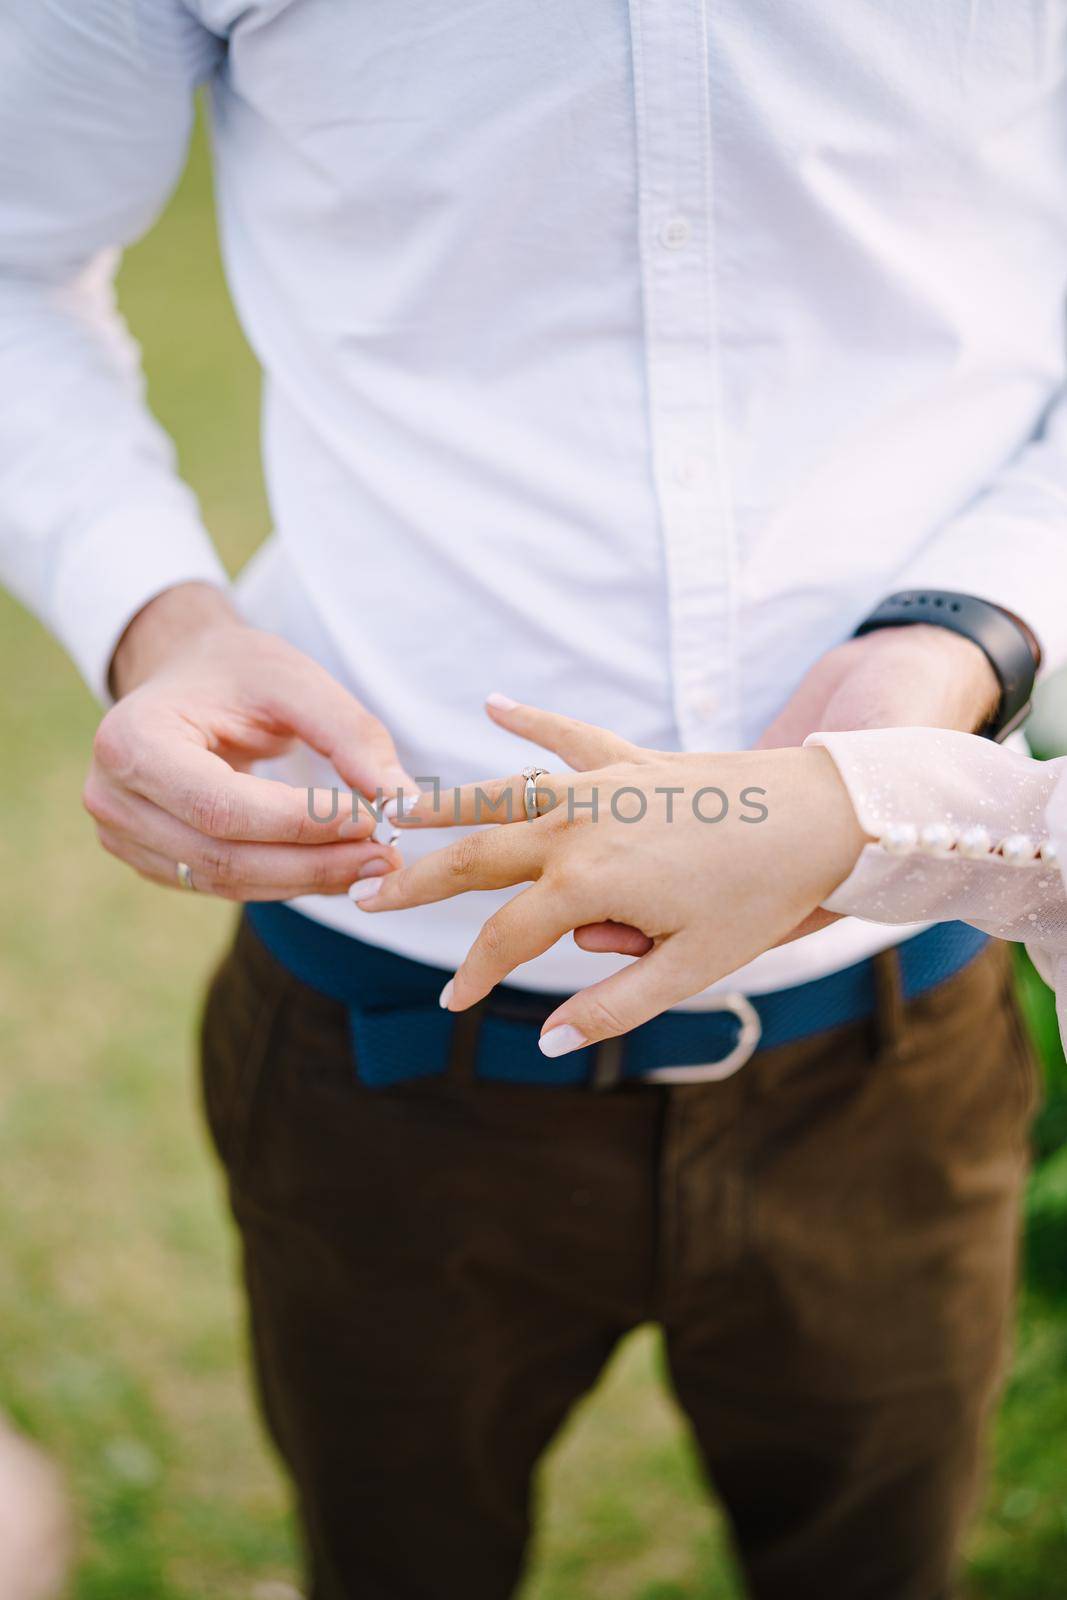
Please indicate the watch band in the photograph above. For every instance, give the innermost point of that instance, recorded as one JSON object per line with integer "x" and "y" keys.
{"x": 1004, "y": 640}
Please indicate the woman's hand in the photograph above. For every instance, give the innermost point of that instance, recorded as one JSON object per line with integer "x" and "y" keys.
{"x": 713, "y": 858}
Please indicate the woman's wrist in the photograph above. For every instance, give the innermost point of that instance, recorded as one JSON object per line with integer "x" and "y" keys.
{"x": 809, "y": 829}
{"x": 834, "y": 834}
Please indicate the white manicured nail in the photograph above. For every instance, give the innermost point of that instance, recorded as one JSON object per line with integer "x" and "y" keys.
{"x": 502, "y": 702}
{"x": 364, "y": 888}
{"x": 401, "y": 806}
{"x": 561, "y": 1041}
{"x": 384, "y": 832}
{"x": 444, "y": 999}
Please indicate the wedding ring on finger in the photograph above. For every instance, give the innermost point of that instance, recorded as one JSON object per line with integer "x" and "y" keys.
{"x": 530, "y": 798}
{"x": 185, "y": 876}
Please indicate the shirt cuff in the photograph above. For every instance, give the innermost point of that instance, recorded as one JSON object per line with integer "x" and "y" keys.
{"x": 117, "y": 565}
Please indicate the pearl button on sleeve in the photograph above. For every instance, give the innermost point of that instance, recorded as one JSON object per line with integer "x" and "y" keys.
{"x": 961, "y": 829}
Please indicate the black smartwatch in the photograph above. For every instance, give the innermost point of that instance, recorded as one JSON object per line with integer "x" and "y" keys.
{"x": 1007, "y": 643}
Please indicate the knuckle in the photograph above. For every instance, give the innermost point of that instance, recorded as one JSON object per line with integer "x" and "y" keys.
{"x": 463, "y": 857}
{"x": 326, "y": 872}
{"x": 571, "y": 815}
{"x": 219, "y": 863}
{"x": 97, "y": 799}
{"x": 214, "y": 812}
{"x": 493, "y": 938}
{"x": 604, "y": 1019}
{"x": 113, "y": 746}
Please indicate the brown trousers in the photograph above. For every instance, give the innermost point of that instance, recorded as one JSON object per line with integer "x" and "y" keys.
{"x": 437, "y": 1272}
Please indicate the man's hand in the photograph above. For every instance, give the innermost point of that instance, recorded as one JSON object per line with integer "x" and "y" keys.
{"x": 202, "y": 697}
{"x": 919, "y": 676}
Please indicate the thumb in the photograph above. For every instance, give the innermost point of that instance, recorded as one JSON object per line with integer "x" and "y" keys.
{"x": 670, "y": 972}
{"x": 582, "y": 745}
{"x": 333, "y": 722}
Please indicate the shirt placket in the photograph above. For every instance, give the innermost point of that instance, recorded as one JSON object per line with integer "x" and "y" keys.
{"x": 674, "y": 156}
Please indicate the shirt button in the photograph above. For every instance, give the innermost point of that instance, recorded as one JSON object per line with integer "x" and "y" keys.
{"x": 674, "y": 234}
{"x": 689, "y": 471}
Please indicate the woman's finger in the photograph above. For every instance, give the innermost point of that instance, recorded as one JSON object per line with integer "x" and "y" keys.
{"x": 582, "y": 745}
{"x": 496, "y": 859}
{"x": 497, "y": 800}
{"x": 672, "y": 971}
{"x": 525, "y": 927}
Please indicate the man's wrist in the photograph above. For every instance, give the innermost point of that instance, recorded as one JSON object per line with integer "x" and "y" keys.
{"x": 972, "y": 684}
{"x": 164, "y": 627}
{"x": 1008, "y": 644}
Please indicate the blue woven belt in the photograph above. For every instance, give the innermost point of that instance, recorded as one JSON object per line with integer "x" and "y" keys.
{"x": 399, "y": 1032}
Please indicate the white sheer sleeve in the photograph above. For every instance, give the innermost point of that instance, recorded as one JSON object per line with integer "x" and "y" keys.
{"x": 965, "y": 830}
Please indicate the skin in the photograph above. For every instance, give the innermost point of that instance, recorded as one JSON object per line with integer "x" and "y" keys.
{"x": 35, "y": 1530}
{"x": 201, "y": 697}
{"x": 643, "y": 889}
{"x": 705, "y": 896}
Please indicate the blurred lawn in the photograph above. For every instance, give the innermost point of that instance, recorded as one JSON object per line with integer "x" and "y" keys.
{"x": 120, "y": 1334}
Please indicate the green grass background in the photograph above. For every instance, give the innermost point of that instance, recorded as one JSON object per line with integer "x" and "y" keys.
{"x": 120, "y": 1323}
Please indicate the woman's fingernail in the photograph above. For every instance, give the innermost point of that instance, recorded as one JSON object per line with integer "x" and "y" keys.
{"x": 364, "y": 888}
{"x": 502, "y": 702}
{"x": 561, "y": 1041}
{"x": 444, "y": 1000}
{"x": 401, "y": 807}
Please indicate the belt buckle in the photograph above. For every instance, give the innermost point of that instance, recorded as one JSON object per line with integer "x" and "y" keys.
{"x": 750, "y": 1030}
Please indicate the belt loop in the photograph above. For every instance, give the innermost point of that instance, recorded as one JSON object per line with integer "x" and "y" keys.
{"x": 463, "y": 1050}
{"x": 887, "y": 1022}
{"x": 607, "y": 1064}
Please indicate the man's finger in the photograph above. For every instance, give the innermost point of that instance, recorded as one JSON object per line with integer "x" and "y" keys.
{"x": 203, "y": 791}
{"x": 496, "y": 859}
{"x": 525, "y": 927}
{"x": 582, "y": 745}
{"x": 669, "y": 973}
{"x": 143, "y": 820}
{"x": 314, "y": 705}
{"x": 250, "y": 871}
{"x": 612, "y": 938}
